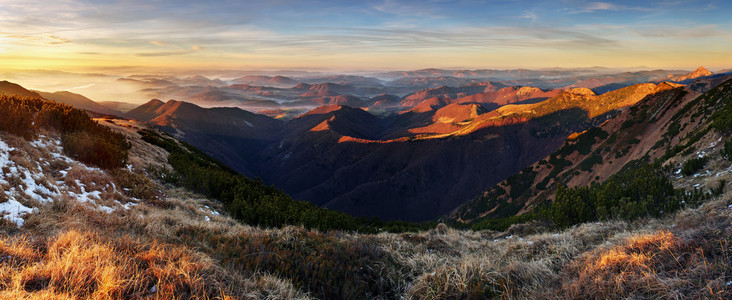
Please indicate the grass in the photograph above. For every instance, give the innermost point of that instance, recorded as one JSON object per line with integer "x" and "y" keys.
{"x": 77, "y": 265}
{"x": 688, "y": 262}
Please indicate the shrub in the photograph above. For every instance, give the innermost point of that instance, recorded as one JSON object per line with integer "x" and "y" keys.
{"x": 640, "y": 189}
{"x": 727, "y": 149}
{"x": 82, "y": 138}
{"x": 521, "y": 182}
{"x": 693, "y": 165}
{"x": 719, "y": 189}
{"x": 587, "y": 163}
{"x": 722, "y": 119}
{"x": 94, "y": 149}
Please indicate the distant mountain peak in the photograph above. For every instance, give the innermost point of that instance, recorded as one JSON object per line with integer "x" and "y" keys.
{"x": 703, "y": 70}
{"x": 699, "y": 72}
{"x": 325, "y": 109}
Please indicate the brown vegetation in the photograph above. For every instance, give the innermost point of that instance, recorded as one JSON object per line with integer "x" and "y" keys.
{"x": 77, "y": 265}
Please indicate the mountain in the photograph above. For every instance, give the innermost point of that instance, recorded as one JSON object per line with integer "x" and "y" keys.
{"x": 275, "y": 81}
{"x": 323, "y": 89}
{"x": 118, "y": 106}
{"x": 79, "y": 101}
{"x": 510, "y": 95}
{"x": 353, "y": 80}
{"x": 231, "y": 135}
{"x": 448, "y": 92}
{"x": 384, "y": 100}
{"x": 9, "y": 89}
{"x": 69, "y": 98}
{"x": 699, "y": 72}
{"x": 432, "y": 82}
{"x": 668, "y": 126}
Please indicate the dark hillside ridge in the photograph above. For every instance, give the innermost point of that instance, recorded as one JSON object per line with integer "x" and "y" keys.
{"x": 230, "y": 135}
{"x": 9, "y": 89}
{"x": 79, "y": 101}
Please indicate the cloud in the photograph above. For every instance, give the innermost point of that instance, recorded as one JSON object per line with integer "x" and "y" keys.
{"x": 531, "y": 16}
{"x": 54, "y": 40}
{"x": 86, "y": 86}
{"x": 674, "y": 32}
{"x": 402, "y": 8}
{"x": 592, "y": 7}
{"x": 158, "y": 43}
{"x": 166, "y": 53}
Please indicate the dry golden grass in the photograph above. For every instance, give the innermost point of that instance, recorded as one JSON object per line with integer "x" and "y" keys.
{"x": 89, "y": 266}
{"x": 690, "y": 258}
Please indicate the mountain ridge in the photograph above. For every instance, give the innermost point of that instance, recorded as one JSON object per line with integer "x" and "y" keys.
{"x": 320, "y": 156}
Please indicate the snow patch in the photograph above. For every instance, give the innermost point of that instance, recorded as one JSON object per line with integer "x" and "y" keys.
{"x": 13, "y": 211}
{"x": 5, "y": 154}
{"x": 34, "y": 184}
{"x": 250, "y": 124}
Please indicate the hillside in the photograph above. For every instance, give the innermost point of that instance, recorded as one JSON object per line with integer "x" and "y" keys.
{"x": 79, "y": 101}
{"x": 230, "y": 135}
{"x": 669, "y": 128}
{"x": 76, "y": 231}
{"x": 9, "y": 89}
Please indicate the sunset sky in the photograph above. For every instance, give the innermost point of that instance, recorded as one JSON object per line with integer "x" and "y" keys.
{"x": 352, "y": 35}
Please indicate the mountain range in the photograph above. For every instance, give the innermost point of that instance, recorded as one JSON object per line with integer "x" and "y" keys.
{"x": 415, "y": 157}
{"x": 402, "y": 166}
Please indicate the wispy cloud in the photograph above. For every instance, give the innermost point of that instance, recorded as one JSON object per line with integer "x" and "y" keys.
{"x": 676, "y": 32}
{"x": 592, "y": 7}
{"x": 55, "y": 40}
{"x": 167, "y": 53}
{"x": 408, "y": 9}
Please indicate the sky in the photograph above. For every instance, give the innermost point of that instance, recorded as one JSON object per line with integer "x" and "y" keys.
{"x": 103, "y": 36}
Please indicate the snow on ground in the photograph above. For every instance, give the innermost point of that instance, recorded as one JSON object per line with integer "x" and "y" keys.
{"x": 13, "y": 211}
{"x": 31, "y": 186}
